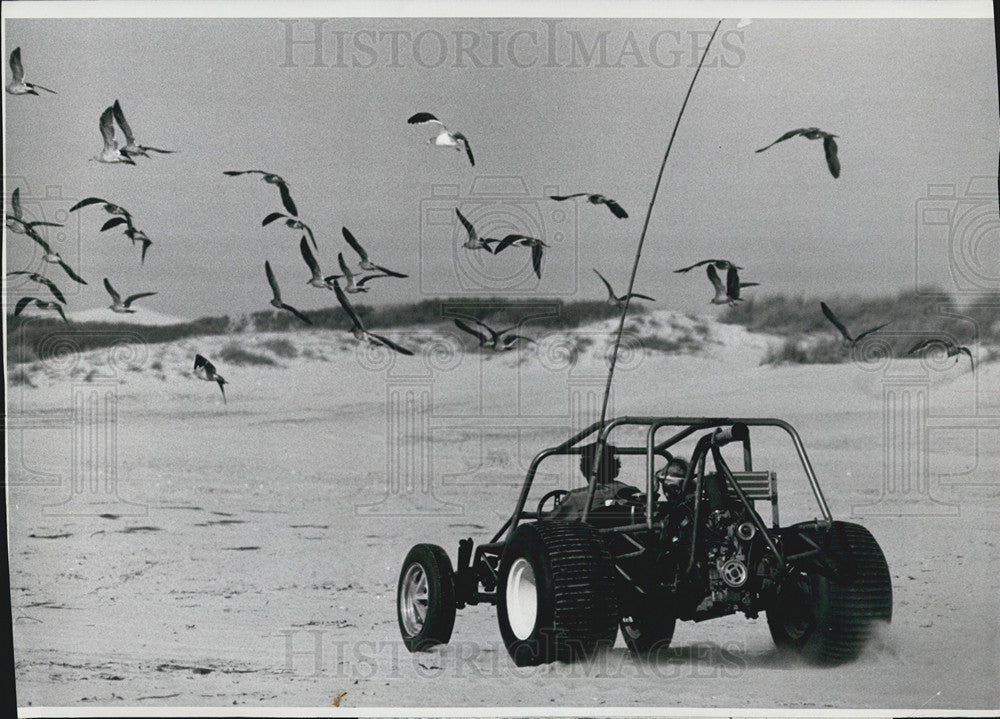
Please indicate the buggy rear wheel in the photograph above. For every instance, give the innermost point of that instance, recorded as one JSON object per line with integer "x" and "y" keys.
{"x": 556, "y": 597}
{"x": 829, "y": 617}
{"x": 425, "y": 598}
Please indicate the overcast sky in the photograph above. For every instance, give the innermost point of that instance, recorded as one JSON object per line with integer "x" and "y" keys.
{"x": 567, "y": 106}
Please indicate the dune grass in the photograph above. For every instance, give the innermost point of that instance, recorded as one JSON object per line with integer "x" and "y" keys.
{"x": 809, "y": 338}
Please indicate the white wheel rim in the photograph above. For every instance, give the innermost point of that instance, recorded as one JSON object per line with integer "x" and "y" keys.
{"x": 413, "y": 598}
{"x": 522, "y": 598}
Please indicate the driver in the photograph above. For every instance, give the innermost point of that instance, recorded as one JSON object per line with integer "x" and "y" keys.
{"x": 607, "y": 490}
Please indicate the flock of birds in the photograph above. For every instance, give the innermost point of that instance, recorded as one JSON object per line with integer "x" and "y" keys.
{"x": 355, "y": 281}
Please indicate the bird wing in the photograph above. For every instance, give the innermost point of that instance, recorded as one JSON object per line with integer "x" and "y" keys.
{"x": 296, "y": 313}
{"x": 147, "y": 148}
{"x": 113, "y": 222}
{"x": 873, "y": 329}
{"x": 88, "y": 201}
{"x": 366, "y": 278}
{"x": 221, "y": 382}
{"x": 716, "y": 281}
{"x": 15, "y": 203}
{"x": 390, "y": 273}
{"x": 924, "y": 344}
{"x": 733, "y": 282}
{"x": 59, "y": 309}
{"x": 560, "y": 198}
{"x": 69, "y": 271}
{"x": 286, "y": 198}
{"x": 787, "y": 135}
{"x": 123, "y": 123}
{"x": 390, "y": 344}
{"x": 52, "y": 287}
{"x": 200, "y": 361}
{"x": 348, "y": 275}
{"x": 636, "y": 295}
{"x": 234, "y": 173}
{"x": 115, "y": 297}
{"x": 355, "y": 245}
{"x": 468, "y": 148}
{"x": 483, "y": 339}
{"x": 836, "y": 323}
{"x": 511, "y": 339}
{"x": 145, "y": 246}
{"x": 271, "y": 218}
{"x": 16, "y": 68}
{"x": 22, "y": 303}
{"x": 536, "y": 259}
{"x": 309, "y": 232}
{"x": 830, "y": 148}
{"x": 132, "y": 298}
{"x": 696, "y": 264}
{"x": 423, "y": 117}
{"x": 272, "y": 281}
{"x": 468, "y": 225}
{"x": 307, "y": 255}
{"x": 611, "y": 292}
{"x": 107, "y": 129}
{"x": 503, "y": 244}
{"x": 342, "y": 299}
{"x": 616, "y": 209}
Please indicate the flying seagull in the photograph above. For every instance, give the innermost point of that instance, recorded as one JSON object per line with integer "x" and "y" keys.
{"x": 40, "y": 304}
{"x": 203, "y": 369}
{"x": 474, "y": 241}
{"x": 53, "y": 257}
{"x": 17, "y": 84}
{"x": 849, "y": 341}
{"x": 728, "y": 293}
{"x": 15, "y": 220}
{"x": 42, "y": 280}
{"x": 498, "y": 340}
{"x": 617, "y": 301}
{"x": 534, "y": 243}
{"x": 950, "y": 348}
{"x": 444, "y": 138}
{"x": 130, "y": 145}
{"x": 616, "y": 209}
{"x": 276, "y": 300}
{"x": 317, "y": 276}
{"x": 358, "y": 329}
{"x": 121, "y": 217}
{"x": 719, "y": 265}
{"x": 352, "y": 285}
{"x": 365, "y": 263}
{"x": 272, "y": 179}
{"x": 294, "y": 223}
{"x": 110, "y": 152}
{"x": 119, "y": 306}
{"x": 813, "y": 133}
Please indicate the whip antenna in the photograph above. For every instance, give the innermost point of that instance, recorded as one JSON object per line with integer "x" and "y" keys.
{"x": 645, "y": 225}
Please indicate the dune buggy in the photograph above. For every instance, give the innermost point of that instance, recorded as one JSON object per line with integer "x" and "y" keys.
{"x": 691, "y": 549}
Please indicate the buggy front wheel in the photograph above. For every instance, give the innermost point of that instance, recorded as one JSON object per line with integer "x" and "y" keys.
{"x": 425, "y": 598}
